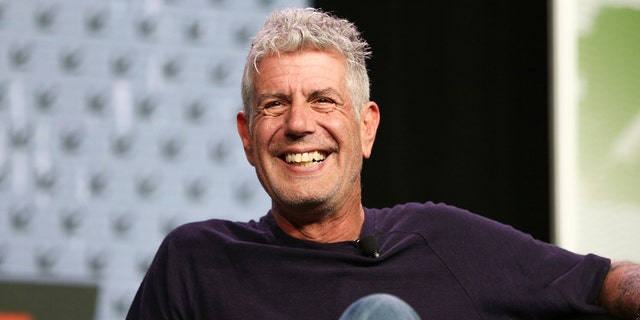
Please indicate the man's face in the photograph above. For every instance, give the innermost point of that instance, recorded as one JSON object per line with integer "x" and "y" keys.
{"x": 305, "y": 141}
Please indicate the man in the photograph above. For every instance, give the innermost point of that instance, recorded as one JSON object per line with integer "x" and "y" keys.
{"x": 306, "y": 127}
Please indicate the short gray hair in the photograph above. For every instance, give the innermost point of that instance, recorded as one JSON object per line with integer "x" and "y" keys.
{"x": 296, "y": 29}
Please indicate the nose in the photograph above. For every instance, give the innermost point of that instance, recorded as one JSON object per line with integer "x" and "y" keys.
{"x": 300, "y": 120}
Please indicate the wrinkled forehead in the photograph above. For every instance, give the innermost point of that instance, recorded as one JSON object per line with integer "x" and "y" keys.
{"x": 279, "y": 54}
{"x": 298, "y": 68}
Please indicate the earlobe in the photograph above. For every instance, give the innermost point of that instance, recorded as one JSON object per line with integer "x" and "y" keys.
{"x": 370, "y": 119}
{"x": 242, "y": 122}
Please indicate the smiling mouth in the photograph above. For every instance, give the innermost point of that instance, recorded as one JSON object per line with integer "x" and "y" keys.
{"x": 304, "y": 159}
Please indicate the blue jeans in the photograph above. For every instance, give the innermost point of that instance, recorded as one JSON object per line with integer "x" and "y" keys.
{"x": 379, "y": 306}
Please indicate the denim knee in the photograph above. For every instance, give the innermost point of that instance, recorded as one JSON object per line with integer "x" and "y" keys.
{"x": 379, "y": 306}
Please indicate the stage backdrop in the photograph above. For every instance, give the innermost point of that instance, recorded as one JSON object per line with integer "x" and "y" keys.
{"x": 117, "y": 124}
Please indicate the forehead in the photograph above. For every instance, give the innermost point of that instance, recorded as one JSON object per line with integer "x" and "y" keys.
{"x": 299, "y": 70}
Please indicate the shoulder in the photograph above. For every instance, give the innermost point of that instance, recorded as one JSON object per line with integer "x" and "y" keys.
{"x": 212, "y": 232}
{"x": 441, "y": 224}
{"x": 417, "y": 209}
{"x": 429, "y": 215}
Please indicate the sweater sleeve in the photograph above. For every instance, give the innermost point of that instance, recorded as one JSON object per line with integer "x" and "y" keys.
{"x": 509, "y": 272}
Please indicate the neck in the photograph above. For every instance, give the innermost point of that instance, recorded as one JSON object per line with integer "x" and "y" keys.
{"x": 344, "y": 225}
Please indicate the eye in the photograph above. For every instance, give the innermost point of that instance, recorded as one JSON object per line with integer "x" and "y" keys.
{"x": 323, "y": 105}
{"x": 273, "y": 108}
{"x": 272, "y": 104}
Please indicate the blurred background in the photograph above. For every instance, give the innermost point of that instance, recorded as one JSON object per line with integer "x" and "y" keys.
{"x": 117, "y": 124}
{"x": 526, "y": 112}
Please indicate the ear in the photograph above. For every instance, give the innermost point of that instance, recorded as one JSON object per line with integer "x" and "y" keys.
{"x": 369, "y": 120}
{"x": 242, "y": 122}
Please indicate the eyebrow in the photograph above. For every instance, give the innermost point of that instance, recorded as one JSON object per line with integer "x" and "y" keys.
{"x": 316, "y": 93}
{"x": 326, "y": 92}
{"x": 266, "y": 96}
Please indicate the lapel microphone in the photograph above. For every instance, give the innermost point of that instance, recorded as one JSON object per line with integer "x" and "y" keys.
{"x": 368, "y": 246}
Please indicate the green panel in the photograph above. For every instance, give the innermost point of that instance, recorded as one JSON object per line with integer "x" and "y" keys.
{"x": 609, "y": 109}
{"x": 49, "y": 301}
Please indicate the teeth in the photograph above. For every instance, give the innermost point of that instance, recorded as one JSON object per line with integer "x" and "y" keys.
{"x": 305, "y": 158}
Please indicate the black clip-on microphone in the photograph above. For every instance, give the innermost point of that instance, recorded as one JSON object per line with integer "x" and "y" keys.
{"x": 368, "y": 246}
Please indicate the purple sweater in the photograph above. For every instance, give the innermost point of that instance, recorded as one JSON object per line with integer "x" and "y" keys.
{"x": 445, "y": 262}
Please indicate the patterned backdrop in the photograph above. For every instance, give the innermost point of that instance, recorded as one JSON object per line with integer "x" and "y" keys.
{"x": 117, "y": 123}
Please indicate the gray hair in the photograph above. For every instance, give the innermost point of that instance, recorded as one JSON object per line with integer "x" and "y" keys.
{"x": 295, "y": 29}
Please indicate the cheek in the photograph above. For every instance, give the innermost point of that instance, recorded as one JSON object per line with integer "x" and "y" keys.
{"x": 264, "y": 133}
{"x": 348, "y": 142}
